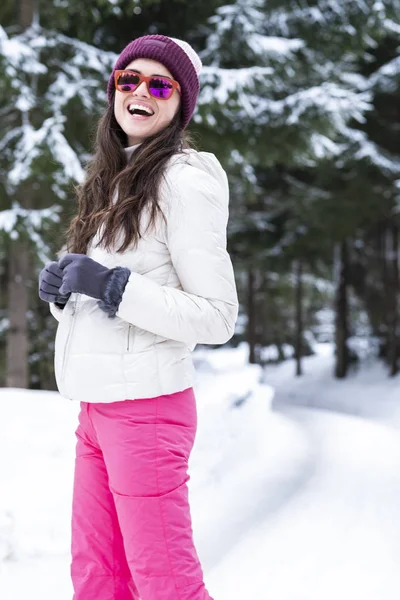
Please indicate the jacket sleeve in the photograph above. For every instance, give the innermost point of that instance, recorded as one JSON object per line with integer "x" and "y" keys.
{"x": 206, "y": 309}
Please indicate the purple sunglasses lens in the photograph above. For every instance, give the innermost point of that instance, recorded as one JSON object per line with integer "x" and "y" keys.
{"x": 128, "y": 82}
{"x": 161, "y": 88}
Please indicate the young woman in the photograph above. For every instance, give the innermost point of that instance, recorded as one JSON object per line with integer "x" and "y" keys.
{"x": 146, "y": 278}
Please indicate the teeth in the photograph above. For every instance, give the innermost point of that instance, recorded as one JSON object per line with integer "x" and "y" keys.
{"x": 132, "y": 107}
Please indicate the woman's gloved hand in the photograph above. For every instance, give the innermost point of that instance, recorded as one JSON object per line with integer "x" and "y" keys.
{"x": 50, "y": 280}
{"x": 84, "y": 275}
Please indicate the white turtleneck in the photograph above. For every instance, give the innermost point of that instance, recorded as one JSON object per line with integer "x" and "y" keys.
{"x": 130, "y": 150}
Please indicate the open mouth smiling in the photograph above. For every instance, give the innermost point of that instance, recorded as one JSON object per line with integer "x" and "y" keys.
{"x": 142, "y": 110}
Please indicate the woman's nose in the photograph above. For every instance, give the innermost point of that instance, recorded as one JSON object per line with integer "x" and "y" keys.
{"x": 142, "y": 90}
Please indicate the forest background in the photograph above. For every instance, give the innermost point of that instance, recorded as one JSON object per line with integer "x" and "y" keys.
{"x": 300, "y": 101}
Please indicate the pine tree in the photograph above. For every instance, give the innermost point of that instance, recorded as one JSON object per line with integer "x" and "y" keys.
{"x": 52, "y": 89}
{"x": 289, "y": 97}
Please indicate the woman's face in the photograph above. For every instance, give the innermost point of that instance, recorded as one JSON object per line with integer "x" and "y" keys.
{"x": 137, "y": 127}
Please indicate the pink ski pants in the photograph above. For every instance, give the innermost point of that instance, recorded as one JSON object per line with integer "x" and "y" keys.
{"x": 131, "y": 526}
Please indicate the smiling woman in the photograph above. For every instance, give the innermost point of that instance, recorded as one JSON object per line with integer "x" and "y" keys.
{"x": 146, "y": 277}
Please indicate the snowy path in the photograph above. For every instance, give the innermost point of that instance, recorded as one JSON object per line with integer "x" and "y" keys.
{"x": 338, "y": 535}
{"x": 367, "y": 392}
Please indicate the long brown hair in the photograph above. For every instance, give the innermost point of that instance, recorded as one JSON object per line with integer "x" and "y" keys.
{"x": 137, "y": 181}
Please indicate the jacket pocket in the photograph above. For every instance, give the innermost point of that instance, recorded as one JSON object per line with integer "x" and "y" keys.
{"x": 130, "y": 336}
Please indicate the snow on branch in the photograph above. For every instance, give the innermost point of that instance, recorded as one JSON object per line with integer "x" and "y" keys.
{"x": 16, "y": 52}
{"x": 323, "y": 147}
{"x": 273, "y": 45}
{"x": 365, "y": 149}
{"x": 387, "y": 78}
{"x": 236, "y": 90}
{"x": 9, "y": 218}
{"x": 338, "y": 103}
{"x": 32, "y": 224}
{"x": 63, "y": 63}
{"x": 392, "y": 26}
{"x": 30, "y": 146}
{"x": 347, "y": 16}
{"x": 218, "y": 84}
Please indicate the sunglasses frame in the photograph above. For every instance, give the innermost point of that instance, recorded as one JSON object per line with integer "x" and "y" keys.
{"x": 175, "y": 85}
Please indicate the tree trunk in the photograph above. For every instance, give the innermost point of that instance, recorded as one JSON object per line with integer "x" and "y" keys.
{"x": 17, "y": 336}
{"x": 392, "y": 298}
{"x": 341, "y": 309}
{"x": 251, "y": 316}
{"x": 298, "y": 346}
{"x": 26, "y": 12}
{"x": 19, "y": 271}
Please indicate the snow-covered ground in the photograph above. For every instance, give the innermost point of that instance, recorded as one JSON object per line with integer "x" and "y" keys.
{"x": 295, "y": 483}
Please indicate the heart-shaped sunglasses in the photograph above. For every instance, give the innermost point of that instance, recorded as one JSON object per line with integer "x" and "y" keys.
{"x": 161, "y": 88}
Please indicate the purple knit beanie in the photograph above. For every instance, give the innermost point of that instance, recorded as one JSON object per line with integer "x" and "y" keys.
{"x": 179, "y": 58}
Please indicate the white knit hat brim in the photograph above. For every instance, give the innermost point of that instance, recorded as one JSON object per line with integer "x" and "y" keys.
{"x": 191, "y": 54}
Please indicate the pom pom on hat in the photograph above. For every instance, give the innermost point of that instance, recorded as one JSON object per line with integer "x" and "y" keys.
{"x": 176, "y": 55}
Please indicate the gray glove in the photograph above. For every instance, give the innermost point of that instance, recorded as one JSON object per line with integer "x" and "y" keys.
{"x": 50, "y": 280}
{"x": 84, "y": 275}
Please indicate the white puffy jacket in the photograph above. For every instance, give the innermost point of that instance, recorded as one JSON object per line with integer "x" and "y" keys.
{"x": 181, "y": 292}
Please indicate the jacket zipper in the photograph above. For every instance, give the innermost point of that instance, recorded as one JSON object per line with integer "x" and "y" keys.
{"x": 69, "y": 337}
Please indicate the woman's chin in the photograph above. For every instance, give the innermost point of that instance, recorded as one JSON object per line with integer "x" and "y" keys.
{"x": 139, "y": 130}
